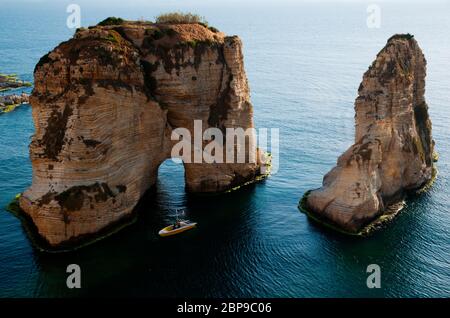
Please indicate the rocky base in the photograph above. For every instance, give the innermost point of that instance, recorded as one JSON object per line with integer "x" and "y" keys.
{"x": 42, "y": 244}
{"x": 388, "y": 215}
{"x": 378, "y": 223}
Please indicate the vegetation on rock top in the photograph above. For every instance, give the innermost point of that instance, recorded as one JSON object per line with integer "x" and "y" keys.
{"x": 111, "y": 21}
{"x": 407, "y": 36}
{"x": 180, "y": 17}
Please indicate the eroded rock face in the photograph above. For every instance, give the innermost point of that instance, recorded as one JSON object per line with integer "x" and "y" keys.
{"x": 393, "y": 150}
{"x": 104, "y": 106}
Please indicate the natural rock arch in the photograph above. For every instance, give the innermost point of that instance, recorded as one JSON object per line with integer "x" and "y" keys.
{"x": 104, "y": 106}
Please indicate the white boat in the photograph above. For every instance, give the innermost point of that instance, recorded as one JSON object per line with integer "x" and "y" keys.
{"x": 183, "y": 225}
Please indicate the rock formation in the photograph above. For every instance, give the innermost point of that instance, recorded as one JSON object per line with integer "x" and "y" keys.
{"x": 104, "y": 106}
{"x": 8, "y": 82}
{"x": 393, "y": 150}
{"x": 10, "y": 102}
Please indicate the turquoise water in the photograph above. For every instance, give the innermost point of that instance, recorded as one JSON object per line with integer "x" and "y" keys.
{"x": 304, "y": 63}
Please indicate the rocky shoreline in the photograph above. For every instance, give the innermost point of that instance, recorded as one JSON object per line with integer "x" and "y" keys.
{"x": 9, "y": 102}
{"x": 10, "y": 81}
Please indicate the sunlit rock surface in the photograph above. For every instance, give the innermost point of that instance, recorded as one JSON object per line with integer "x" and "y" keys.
{"x": 393, "y": 149}
{"x": 104, "y": 106}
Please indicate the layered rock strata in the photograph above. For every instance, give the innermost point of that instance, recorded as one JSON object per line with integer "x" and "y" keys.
{"x": 104, "y": 106}
{"x": 393, "y": 150}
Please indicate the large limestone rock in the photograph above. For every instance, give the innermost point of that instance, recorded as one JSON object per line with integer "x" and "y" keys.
{"x": 104, "y": 106}
{"x": 393, "y": 150}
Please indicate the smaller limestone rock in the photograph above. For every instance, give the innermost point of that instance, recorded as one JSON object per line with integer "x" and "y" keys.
{"x": 393, "y": 150}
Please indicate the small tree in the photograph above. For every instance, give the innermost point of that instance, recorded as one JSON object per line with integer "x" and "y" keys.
{"x": 112, "y": 21}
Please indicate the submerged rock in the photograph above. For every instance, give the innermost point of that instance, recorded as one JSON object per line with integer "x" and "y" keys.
{"x": 393, "y": 150}
{"x": 104, "y": 106}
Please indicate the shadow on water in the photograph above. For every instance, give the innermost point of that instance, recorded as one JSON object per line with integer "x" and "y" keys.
{"x": 393, "y": 248}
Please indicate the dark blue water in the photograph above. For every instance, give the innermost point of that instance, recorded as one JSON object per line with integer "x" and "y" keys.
{"x": 304, "y": 63}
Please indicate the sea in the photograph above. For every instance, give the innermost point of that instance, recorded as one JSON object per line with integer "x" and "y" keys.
{"x": 304, "y": 61}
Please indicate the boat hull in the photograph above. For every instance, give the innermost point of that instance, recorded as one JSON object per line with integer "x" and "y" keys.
{"x": 169, "y": 231}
